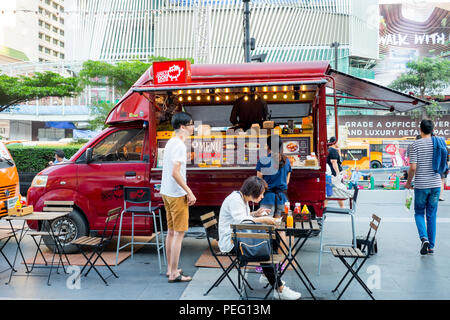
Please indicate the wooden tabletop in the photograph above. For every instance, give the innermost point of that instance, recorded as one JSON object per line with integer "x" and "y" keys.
{"x": 302, "y": 225}
{"x": 39, "y": 216}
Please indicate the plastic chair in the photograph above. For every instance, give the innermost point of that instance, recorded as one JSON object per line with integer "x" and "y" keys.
{"x": 347, "y": 211}
{"x": 137, "y": 201}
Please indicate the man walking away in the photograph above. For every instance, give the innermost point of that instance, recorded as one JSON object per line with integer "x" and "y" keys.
{"x": 177, "y": 196}
{"x": 427, "y": 186}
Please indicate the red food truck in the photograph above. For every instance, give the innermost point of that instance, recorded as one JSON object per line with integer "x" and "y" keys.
{"x": 130, "y": 151}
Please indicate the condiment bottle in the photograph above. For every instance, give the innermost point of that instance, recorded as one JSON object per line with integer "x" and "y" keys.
{"x": 298, "y": 208}
{"x": 289, "y": 220}
{"x": 287, "y": 206}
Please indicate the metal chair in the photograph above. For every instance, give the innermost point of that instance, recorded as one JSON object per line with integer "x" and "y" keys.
{"x": 212, "y": 234}
{"x": 354, "y": 253}
{"x": 140, "y": 200}
{"x": 262, "y": 233}
{"x": 98, "y": 245}
{"x": 6, "y": 235}
{"x": 341, "y": 211}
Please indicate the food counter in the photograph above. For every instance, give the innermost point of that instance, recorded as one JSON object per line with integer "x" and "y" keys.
{"x": 239, "y": 151}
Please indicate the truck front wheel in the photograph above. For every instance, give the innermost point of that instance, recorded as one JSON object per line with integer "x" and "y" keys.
{"x": 74, "y": 224}
{"x": 375, "y": 164}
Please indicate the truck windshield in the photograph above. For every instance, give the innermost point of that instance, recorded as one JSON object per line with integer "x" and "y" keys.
{"x": 123, "y": 145}
{"x": 5, "y": 163}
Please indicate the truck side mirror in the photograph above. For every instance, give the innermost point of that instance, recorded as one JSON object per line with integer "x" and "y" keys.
{"x": 88, "y": 155}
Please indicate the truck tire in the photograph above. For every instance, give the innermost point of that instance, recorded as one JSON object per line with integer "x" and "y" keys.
{"x": 76, "y": 226}
{"x": 375, "y": 164}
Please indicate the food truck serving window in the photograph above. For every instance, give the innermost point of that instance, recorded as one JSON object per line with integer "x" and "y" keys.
{"x": 219, "y": 115}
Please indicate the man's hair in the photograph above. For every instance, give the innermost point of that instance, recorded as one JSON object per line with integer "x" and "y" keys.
{"x": 60, "y": 153}
{"x": 179, "y": 119}
{"x": 427, "y": 126}
{"x": 253, "y": 187}
{"x": 332, "y": 140}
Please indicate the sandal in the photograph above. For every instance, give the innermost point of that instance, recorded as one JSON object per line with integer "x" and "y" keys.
{"x": 180, "y": 279}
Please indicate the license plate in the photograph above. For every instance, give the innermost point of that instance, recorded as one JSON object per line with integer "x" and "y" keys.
{"x": 10, "y": 203}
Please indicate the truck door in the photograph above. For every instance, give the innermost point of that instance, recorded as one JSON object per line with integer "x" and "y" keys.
{"x": 117, "y": 161}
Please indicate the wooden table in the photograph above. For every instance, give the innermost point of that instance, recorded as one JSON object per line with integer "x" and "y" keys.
{"x": 38, "y": 216}
{"x": 305, "y": 229}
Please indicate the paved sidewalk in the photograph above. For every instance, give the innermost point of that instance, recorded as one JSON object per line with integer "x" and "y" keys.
{"x": 403, "y": 272}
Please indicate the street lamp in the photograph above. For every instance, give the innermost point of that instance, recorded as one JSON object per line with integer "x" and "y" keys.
{"x": 247, "y": 30}
{"x": 335, "y": 45}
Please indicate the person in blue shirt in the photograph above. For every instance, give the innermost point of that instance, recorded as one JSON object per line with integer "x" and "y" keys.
{"x": 276, "y": 170}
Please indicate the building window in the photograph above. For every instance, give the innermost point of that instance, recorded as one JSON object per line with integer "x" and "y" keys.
{"x": 54, "y": 17}
{"x": 47, "y": 50}
{"x": 61, "y": 55}
{"x": 55, "y": 53}
{"x": 55, "y": 29}
{"x": 47, "y": 26}
{"x": 41, "y": 48}
{"x": 47, "y": 38}
{"x": 41, "y": 23}
{"x": 41, "y": 35}
{"x": 47, "y": 2}
{"x": 61, "y": 32}
{"x": 61, "y": 20}
{"x": 55, "y": 5}
{"x": 41, "y": 10}
{"x": 55, "y": 42}
{"x": 61, "y": 44}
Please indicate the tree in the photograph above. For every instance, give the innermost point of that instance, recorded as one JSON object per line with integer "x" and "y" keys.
{"x": 16, "y": 90}
{"x": 426, "y": 77}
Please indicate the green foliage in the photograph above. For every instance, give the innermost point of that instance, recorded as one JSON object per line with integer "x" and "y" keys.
{"x": 36, "y": 158}
{"x": 99, "y": 110}
{"x": 15, "y": 90}
{"x": 426, "y": 77}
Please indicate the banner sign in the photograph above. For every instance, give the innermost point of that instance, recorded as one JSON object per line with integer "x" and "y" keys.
{"x": 171, "y": 72}
{"x": 390, "y": 126}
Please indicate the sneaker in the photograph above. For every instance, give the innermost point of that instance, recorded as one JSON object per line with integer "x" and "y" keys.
{"x": 265, "y": 282}
{"x": 430, "y": 251}
{"x": 286, "y": 294}
{"x": 424, "y": 248}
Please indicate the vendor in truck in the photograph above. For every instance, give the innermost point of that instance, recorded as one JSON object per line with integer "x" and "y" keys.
{"x": 276, "y": 170}
{"x": 247, "y": 110}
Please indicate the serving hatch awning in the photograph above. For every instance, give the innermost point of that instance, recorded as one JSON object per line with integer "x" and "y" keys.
{"x": 382, "y": 97}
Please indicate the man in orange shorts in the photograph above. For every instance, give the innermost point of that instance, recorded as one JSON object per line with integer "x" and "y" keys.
{"x": 177, "y": 196}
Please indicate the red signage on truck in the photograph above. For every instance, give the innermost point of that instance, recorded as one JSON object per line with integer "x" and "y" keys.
{"x": 170, "y": 72}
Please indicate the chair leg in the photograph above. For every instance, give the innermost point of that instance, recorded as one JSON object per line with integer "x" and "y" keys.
{"x": 6, "y": 258}
{"x": 163, "y": 243}
{"x": 321, "y": 244}
{"x": 132, "y": 235}
{"x": 155, "y": 230}
{"x": 355, "y": 276}
{"x": 118, "y": 239}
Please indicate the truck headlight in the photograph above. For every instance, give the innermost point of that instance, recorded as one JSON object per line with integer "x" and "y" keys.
{"x": 39, "y": 181}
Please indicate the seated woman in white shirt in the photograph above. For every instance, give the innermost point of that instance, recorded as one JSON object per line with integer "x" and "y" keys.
{"x": 234, "y": 210}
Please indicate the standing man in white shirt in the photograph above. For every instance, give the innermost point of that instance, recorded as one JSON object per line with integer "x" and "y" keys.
{"x": 177, "y": 196}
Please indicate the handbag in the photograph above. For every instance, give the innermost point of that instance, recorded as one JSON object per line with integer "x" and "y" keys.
{"x": 251, "y": 249}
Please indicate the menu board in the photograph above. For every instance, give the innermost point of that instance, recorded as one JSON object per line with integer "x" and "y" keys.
{"x": 235, "y": 152}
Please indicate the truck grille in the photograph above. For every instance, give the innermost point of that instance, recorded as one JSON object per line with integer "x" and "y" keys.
{"x": 12, "y": 193}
